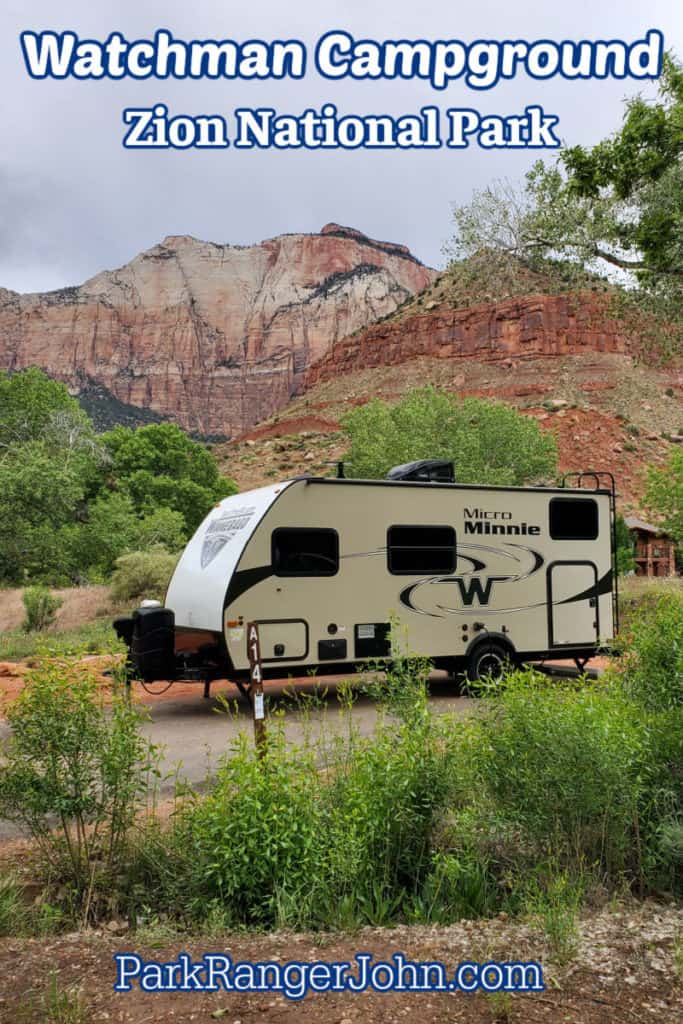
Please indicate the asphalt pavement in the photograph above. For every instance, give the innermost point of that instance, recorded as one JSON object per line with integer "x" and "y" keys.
{"x": 193, "y": 733}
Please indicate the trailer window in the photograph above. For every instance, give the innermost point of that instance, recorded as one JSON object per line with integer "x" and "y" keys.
{"x": 299, "y": 551}
{"x": 418, "y": 549}
{"x": 573, "y": 518}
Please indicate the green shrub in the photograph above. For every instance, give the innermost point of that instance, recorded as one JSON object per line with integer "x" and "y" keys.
{"x": 255, "y": 837}
{"x": 73, "y": 763}
{"x": 383, "y": 804}
{"x": 553, "y": 790}
{"x": 459, "y": 885}
{"x": 661, "y": 809}
{"x": 555, "y": 904}
{"x": 143, "y": 574}
{"x": 41, "y": 608}
{"x": 163, "y": 526}
{"x": 279, "y": 842}
{"x": 653, "y": 674}
{"x": 563, "y": 764}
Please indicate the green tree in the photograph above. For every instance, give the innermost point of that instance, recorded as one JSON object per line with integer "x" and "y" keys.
{"x": 73, "y": 502}
{"x": 50, "y": 461}
{"x": 625, "y": 548}
{"x": 489, "y": 443}
{"x": 160, "y": 466}
{"x": 33, "y": 407}
{"x": 664, "y": 494}
{"x": 614, "y": 208}
{"x": 41, "y": 495}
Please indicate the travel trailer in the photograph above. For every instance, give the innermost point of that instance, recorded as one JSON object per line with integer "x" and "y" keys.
{"x": 472, "y": 576}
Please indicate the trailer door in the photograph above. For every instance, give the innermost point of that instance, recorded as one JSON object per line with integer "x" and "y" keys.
{"x": 573, "y": 604}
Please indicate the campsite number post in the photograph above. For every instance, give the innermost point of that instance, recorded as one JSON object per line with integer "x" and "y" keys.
{"x": 256, "y": 687}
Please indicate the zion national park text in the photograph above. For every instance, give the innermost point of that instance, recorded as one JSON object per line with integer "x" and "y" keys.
{"x": 263, "y": 128}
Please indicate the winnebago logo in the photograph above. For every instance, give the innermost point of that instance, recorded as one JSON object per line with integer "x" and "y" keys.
{"x": 222, "y": 529}
{"x": 480, "y": 570}
{"x": 485, "y": 522}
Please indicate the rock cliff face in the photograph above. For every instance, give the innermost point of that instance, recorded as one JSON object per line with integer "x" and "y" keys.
{"x": 531, "y": 326}
{"x": 214, "y": 336}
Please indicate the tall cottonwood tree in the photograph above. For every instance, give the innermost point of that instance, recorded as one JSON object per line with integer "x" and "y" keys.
{"x": 615, "y": 209}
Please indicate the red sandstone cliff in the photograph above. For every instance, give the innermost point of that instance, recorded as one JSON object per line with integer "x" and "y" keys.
{"x": 214, "y": 336}
{"x": 530, "y": 326}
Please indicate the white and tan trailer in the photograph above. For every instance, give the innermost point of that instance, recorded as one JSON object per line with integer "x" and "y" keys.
{"x": 472, "y": 575}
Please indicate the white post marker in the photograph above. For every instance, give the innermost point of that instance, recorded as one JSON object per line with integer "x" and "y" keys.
{"x": 256, "y": 687}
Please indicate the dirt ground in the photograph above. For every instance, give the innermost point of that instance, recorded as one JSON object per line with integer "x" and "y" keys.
{"x": 623, "y": 970}
{"x": 13, "y": 677}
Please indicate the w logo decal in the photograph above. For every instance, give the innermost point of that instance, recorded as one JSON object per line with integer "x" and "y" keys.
{"x": 475, "y": 589}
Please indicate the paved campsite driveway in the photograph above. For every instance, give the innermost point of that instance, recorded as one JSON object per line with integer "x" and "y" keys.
{"x": 194, "y": 733}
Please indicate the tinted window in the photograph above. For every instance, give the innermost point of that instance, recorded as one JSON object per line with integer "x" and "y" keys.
{"x": 302, "y": 552}
{"x": 420, "y": 549}
{"x": 573, "y": 519}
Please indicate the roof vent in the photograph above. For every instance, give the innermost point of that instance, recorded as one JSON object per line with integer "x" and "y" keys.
{"x": 437, "y": 471}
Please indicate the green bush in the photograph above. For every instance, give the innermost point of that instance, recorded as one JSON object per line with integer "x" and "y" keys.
{"x": 41, "y": 608}
{"x": 73, "y": 775}
{"x": 383, "y": 804}
{"x": 554, "y": 790}
{"x": 143, "y": 574}
{"x": 279, "y": 842}
{"x": 163, "y": 526}
{"x": 563, "y": 764}
{"x": 653, "y": 675}
{"x": 273, "y": 845}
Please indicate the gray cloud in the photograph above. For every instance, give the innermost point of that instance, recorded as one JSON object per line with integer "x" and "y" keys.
{"x": 73, "y": 201}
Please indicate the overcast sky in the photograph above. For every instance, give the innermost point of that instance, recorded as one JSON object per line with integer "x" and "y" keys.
{"x": 73, "y": 201}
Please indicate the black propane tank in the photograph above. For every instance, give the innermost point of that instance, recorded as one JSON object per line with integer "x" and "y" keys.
{"x": 150, "y": 636}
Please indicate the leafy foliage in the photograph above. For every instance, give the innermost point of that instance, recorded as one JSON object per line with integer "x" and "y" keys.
{"x": 625, "y": 547}
{"x": 664, "y": 494}
{"x": 141, "y": 574}
{"x": 615, "y": 209}
{"x": 564, "y": 765}
{"x": 41, "y": 608}
{"x": 159, "y": 465}
{"x": 35, "y": 408}
{"x": 489, "y": 443}
{"x": 73, "y": 502}
{"x": 72, "y": 761}
{"x": 555, "y": 790}
{"x": 654, "y": 664}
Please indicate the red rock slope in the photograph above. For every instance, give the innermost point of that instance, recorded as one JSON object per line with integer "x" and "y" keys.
{"x": 529, "y": 326}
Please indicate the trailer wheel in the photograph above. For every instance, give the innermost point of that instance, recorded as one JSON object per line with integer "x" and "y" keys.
{"x": 487, "y": 661}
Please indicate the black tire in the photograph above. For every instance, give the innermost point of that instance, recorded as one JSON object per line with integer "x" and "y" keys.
{"x": 487, "y": 661}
